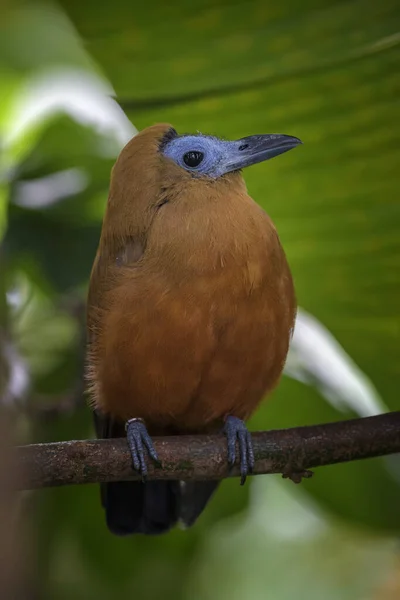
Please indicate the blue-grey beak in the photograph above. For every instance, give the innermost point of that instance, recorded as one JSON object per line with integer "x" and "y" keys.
{"x": 256, "y": 148}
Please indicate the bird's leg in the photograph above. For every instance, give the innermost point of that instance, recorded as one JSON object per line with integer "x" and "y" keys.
{"x": 235, "y": 429}
{"x": 138, "y": 439}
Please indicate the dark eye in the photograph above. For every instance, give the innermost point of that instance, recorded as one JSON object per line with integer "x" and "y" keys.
{"x": 193, "y": 158}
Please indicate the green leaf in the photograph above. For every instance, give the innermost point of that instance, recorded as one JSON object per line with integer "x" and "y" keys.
{"x": 159, "y": 51}
{"x": 327, "y": 72}
{"x": 323, "y": 71}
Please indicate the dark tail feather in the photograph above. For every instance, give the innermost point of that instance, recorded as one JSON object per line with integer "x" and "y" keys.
{"x": 154, "y": 507}
{"x": 194, "y": 497}
{"x": 136, "y": 507}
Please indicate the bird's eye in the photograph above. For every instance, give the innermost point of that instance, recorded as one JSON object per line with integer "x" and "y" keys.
{"x": 193, "y": 158}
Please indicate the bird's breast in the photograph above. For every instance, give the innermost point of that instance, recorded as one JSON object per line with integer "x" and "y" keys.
{"x": 185, "y": 352}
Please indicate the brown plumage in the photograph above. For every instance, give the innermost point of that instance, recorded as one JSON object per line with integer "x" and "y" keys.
{"x": 191, "y": 305}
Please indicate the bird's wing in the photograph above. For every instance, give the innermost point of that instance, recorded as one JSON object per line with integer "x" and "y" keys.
{"x": 111, "y": 256}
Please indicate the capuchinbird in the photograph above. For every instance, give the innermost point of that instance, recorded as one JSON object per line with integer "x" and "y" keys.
{"x": 191, "y": 307}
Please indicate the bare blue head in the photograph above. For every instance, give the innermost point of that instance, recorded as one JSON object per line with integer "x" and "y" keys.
{"x": 205, "y": 155}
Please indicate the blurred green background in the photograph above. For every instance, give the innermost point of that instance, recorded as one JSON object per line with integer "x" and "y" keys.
{"x": 77, "y": 79}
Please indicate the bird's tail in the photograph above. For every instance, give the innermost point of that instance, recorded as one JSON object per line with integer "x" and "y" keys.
{"x": 153, "y": 507}
{"x": 194, "y": 497}
{"x": 136, "y": 507}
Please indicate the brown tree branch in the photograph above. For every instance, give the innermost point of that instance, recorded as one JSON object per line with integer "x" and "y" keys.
{"x": 284, "y": 451}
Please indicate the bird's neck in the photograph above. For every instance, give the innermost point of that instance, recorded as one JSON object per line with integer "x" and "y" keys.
{"x": 203, "y": 229}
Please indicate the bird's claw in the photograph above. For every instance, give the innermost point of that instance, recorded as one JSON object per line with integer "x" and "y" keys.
{"x": 138, "y": 439}
{"x": 236, "y": 430}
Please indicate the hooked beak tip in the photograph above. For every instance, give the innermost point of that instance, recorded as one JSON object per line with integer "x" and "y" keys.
{"x": 294, "y": 141}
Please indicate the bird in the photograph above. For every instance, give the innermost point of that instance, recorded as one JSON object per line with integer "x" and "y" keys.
{"x": 190, "y": 311}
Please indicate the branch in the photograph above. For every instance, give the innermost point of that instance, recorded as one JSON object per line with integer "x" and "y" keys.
{"x": 287, "y": 451}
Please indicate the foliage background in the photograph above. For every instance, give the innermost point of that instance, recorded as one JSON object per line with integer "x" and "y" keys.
{"x": 323, "y": 70}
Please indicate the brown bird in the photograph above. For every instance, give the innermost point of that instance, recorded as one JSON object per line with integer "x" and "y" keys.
{"x": 190, "y": 311}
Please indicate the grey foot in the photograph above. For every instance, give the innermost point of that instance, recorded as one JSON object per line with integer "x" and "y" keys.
{"x": 138, "y": 439}
{"x": 235, "y": 429}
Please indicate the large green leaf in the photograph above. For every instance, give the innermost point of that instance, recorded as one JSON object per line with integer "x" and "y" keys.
{"x": 160, "y": 51}
{"x": 326, "y": 72}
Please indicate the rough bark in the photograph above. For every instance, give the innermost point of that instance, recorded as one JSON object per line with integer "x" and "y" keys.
{"x": 286, "y": 451}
